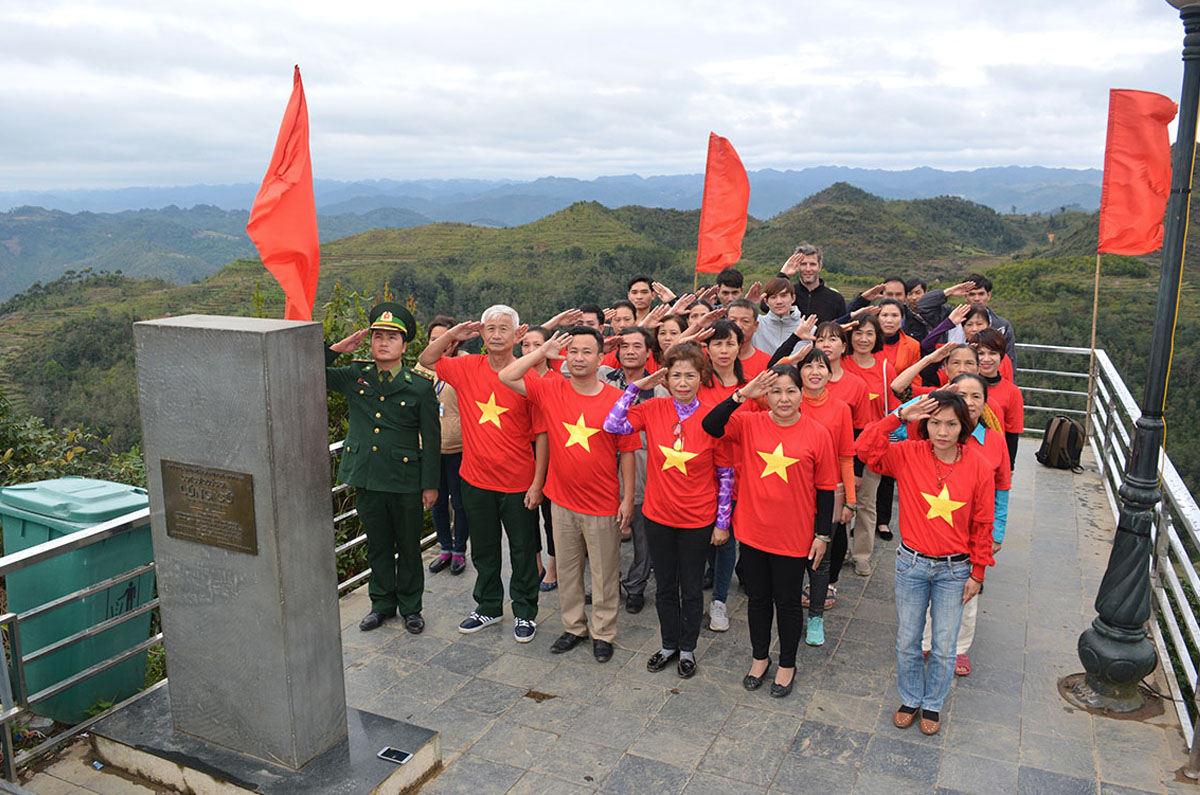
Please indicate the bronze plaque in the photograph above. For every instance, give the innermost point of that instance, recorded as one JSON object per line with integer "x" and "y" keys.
{"x": 212, "y": 506}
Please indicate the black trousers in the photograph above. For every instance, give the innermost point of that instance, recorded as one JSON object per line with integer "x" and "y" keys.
{"x": 773, "y": 585}
{"x": 837, "y": 552}
{"x": 883, "y": 501}
{"x": 678, "y": 556}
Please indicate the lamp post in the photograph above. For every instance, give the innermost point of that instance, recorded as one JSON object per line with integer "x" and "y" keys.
{"x": 1114, "y": 651}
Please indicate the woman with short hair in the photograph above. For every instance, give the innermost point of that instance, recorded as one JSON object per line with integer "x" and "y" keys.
{"x": 788, "y": 470}
{"x": 684, "y": 476}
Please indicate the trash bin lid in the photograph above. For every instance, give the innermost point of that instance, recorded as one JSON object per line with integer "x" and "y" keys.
{"x": 75, "y": 499}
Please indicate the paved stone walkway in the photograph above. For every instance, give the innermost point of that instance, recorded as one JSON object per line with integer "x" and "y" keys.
{"x": 618, "y": 728}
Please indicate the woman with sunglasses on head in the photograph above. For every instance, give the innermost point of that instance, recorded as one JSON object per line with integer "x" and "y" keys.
{"x": 684, "y": 476}
{"x": 947, "y": 504}
{"x": 788, "y": 469}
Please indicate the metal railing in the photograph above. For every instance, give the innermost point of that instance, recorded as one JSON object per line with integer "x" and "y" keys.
{"x": 1176, "y": 529}
{"x": 1051, "y": 387}
{"x": 17, "y": 704}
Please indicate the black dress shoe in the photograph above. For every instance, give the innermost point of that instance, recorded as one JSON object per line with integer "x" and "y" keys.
{"x": 565, "y": 642}
{"x": 373, "y": 619}
{"x": 458, "y": 565}
{"x": 755, "y": 682}
{"x": 686, "y": 668}
{"x": 602, "y": 650}
{"x": 658, "y": 661}
{"x": 437, "y": 564}
{"x": 414, "y": 623}
{"x": 634, "y": 603}
{"x": 886, "y": 535}
{"x": 780, "y": 691}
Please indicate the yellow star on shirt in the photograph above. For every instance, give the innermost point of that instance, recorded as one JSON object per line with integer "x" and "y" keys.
{"x": 676, "y": 458}
{"x": 490, "y": 412}
{"x": 580, "y": 433}
{"x": 872, "y": 395}
{"x": 777, "y": 462}
{"x": 942, "y": 506}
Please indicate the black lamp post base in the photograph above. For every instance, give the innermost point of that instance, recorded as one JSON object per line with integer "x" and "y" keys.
{"x": 1116, "y": 662}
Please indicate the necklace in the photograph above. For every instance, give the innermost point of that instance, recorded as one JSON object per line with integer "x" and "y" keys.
{"x": 937, "y": 464}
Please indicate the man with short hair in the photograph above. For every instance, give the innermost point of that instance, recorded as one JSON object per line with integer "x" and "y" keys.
{"x": 813, "y": 296}
{"x": 977, "y": 289}
{"x": 498, "y": 469}
{"x": 624, "y": 314}
{"x": 641, "y": 295}
{"x": 634, "y": 355}
{"x": 582, "y": 482}
{"x": 593, "y": 316}
{"x": 729, "y": 285}
{"x": 744, "y": 315}
{"x": 391, "y": 458}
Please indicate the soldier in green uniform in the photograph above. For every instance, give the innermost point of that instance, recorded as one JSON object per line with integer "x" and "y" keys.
{"x": 391, "y": 458}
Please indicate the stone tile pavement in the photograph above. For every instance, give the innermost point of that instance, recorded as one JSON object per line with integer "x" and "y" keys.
{"x": 514, "y": 718}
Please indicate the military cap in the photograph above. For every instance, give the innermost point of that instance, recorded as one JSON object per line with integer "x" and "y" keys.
{"x": 393, "y": 317}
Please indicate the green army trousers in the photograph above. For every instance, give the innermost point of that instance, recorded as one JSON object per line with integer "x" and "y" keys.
{"x": 486, "y": 512}
{"x": 393, "y": 524}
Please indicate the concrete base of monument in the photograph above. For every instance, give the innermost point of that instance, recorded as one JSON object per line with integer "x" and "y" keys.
{"x": 140, "y": 740}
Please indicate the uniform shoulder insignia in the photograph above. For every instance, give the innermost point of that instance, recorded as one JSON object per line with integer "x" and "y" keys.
{"x": 423, "y": 374}
{"x": 366, "y": 362}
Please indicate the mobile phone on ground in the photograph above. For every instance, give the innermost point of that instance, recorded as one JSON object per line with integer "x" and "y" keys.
{"x": 395, "y": 755}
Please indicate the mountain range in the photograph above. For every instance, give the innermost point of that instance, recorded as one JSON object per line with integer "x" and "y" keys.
{"x": 511, "y": 203}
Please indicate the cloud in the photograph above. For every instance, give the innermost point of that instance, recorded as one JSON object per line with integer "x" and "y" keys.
{"x": 125, "y": 93}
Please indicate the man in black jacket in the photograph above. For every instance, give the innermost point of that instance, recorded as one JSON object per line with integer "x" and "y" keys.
{"x": 977, "y": 289}
{"x": 813, "y": 297}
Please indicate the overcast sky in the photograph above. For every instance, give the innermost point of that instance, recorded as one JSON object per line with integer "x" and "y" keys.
{"x": 149, "y": 93}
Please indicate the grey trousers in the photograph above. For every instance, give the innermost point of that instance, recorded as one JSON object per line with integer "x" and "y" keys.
{"x": 639, "y": 569}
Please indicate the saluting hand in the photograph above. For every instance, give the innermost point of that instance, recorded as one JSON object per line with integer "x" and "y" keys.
{"x": 915, "y": 412}
{"x": 652, "y": 380}
{"x": 552, "y": 348}
{"x": 959, "y": 313}
{"x": 567, "y": 317}
{"x": 351, "y": 343}
{"x": 792, "y": 265}
{"x": 683, "y": 303}
{"x": 804, "y": 331}
{"x": 866, "y": 310}
{"x": 960, "y": 289}
{"x": 655, "y": 316}
{"x": 662, "y": 292}
{"x": 754, "y": 294}
{"x": 760, "y": 384}
{"x": 465, "y": 331}
{"x": 873, "y": 293}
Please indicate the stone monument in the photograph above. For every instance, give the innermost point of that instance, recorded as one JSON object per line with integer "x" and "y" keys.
{"x": 237, "y": 461}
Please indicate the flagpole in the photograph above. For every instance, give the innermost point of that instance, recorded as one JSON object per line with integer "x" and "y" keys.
{"x": 1115, "y": 651}
{"x": 1087, "y": 419}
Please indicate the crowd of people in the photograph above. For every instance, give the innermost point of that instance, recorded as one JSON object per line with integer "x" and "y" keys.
{"x": 764, "y": 431}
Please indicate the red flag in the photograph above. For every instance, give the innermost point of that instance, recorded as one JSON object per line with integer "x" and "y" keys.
{"x": 283, "y": 220}
{"x": 1137, "y": 172}
{"x": 723, "y": 211}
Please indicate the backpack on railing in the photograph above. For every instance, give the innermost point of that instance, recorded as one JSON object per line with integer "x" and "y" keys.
{"x": 1062, "y": 444}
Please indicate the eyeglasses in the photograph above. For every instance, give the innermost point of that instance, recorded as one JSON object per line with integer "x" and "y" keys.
{"x": 677, "y": 432}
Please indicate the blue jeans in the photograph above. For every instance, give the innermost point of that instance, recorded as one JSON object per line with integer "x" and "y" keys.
{"x": 450, "y": 493}
{"x": 922, "y": 583}
{"x": 722, "y": 560}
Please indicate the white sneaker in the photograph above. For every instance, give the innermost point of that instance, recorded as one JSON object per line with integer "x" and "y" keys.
{"x": 717, "y": 620}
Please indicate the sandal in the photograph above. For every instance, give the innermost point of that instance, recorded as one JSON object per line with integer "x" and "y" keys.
{"x": 804, "y": 599}
{"x": 831, "y": 597}
{"x": 962, "y": 665}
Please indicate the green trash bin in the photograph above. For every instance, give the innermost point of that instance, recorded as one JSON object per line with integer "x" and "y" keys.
{"x": 33, "y": 513}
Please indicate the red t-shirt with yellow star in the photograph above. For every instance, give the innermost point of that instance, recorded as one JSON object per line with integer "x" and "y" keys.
{"x": 681, "y": 485}
{"x": 947, "y": 519}
{"x": 496, "y": 425}
{"x": 779, "y": 469}
{"x": 582, "y": 474}
{"x": 852, "y": 390}
{"x": 876, "y": 379}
